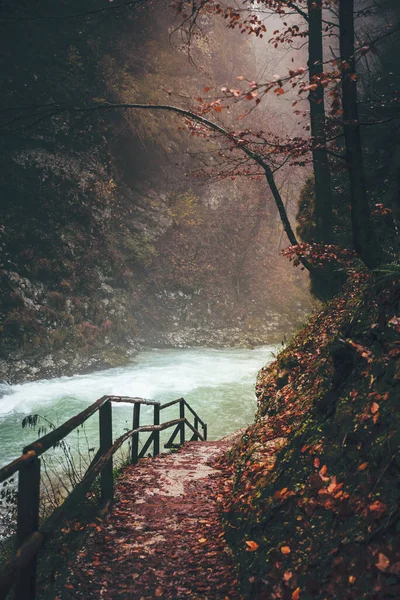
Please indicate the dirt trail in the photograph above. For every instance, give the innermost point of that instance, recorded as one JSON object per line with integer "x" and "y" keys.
{"x": 162, "y": 538}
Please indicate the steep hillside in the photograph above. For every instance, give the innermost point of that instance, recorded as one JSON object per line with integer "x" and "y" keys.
{"x": 312, "y": 498}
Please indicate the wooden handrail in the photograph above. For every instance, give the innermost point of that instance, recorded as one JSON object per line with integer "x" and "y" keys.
{"x": 168, "y": 404}
{"x": 55, "y": 436}
{"x": 16, "y": 465}
{"x": 21, "y": 568}
{"x": 194, "y": 413}
{"x": 130, "y": 400}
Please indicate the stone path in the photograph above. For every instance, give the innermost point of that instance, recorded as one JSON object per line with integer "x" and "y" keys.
{"x": 162, "y": 538}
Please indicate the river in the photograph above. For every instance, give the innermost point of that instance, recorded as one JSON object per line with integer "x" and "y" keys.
{"x": 219, "y": 385}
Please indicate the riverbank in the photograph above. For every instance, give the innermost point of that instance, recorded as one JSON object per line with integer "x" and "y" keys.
{"x": 73, "y": 359}
{"x": 214, "y": 382}
{"x": 311, "y": 501}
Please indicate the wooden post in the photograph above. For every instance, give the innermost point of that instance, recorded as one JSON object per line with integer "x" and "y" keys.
{"x": 182, "y": 416}
{"x": 156, "y": 434}
{"x": 106, "y": 478}
{"x": 205, "y": 432}
{"x": 135, "y": 437}
{"x": 196, "y": 426}
{"x": 27, "y": 523}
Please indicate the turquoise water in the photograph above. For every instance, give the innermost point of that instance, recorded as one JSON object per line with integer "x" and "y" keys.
{"x": 219, "y": 385}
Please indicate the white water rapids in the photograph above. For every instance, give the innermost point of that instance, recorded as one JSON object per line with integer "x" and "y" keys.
{"x": 218, "y": 384}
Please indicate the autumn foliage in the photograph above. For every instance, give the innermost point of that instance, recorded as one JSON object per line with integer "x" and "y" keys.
{"x": 311, "y": 501}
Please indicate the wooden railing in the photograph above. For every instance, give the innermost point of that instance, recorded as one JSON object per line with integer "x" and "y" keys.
{"x": 20, "y": 570}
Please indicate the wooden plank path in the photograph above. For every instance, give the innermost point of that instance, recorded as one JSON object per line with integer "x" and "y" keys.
{"x": 162, "y": 538}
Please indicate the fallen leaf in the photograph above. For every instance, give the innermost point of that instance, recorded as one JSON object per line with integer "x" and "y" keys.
{"x": 374, "y": 407}
{"x": 363, "y": 466}
{"x": 383, "y": 562}
{"x": 251, "y": 546}
{"x": 322, "y": 473}
{"x": 378, "y": 508}
{"x": 285, "y": 550}
{"x": 296, "y": 594}
{"x": 202, "y": 540}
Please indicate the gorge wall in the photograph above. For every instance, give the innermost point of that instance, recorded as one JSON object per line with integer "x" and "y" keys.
{"x": 111, "y": 238}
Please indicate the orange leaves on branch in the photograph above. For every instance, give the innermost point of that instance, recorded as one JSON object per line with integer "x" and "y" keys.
{"x": 251, "y": 546}
{"x": 285, "y": 550}
{"x": 363, "y": 466}
{"x": 312, "y": 87}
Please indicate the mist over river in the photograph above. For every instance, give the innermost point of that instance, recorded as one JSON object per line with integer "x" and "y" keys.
{"x": 218, "y": 384}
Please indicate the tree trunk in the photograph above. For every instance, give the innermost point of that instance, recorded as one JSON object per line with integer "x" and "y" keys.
{"x": 322, "y": 174}
{"x": 364, "y": 238}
